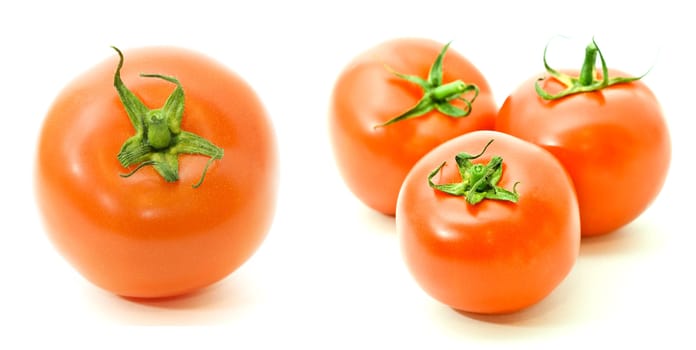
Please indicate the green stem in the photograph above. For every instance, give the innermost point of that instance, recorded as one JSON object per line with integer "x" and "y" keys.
{"x": 587, "y": 72}
{"x": 158, "y": 134}
{"x": 448, "y": 91}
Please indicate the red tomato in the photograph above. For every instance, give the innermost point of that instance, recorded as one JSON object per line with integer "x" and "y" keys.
{"x": 495, "y": 256}
{"x": 374, "y": 159}
{"x": 142, "y": 236}
{"x": 613, "y": 141}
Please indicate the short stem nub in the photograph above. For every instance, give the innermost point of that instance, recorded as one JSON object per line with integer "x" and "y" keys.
{"x": 158, "y": 134}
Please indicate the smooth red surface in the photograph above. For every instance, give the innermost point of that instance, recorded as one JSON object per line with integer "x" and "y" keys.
{"x": 495, "y": 256}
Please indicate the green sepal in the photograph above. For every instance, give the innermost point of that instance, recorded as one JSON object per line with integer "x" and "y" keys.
{"x": 478, "y": 181}
{"x": 435, "y": 94}
{"x": 159, "y": 139}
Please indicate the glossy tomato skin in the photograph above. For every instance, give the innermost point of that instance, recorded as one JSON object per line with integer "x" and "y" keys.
{"x": 374, "y": 161}
{"x": 614, "y": 143}
{"x": 141, "y": 236}
{"x": 495, "y": 256}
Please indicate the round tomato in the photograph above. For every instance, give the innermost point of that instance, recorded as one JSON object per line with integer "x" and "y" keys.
{"x": 394, "y": 103}
{"x": 490, "y": 233}
{"x": 612, "y": 140}
{"x": 157, "y": 185}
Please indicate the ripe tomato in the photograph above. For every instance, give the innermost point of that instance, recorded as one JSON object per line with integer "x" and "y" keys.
{"x": 499, "y": 255}
{"x": 382, "y": 84}
{"x": 613, "y": 141}
{"x": 142, "y": 236}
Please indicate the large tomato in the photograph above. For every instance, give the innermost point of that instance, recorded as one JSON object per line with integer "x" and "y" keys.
{"x": 386, "y": 82}
{"x": 120, "y": 167}
{"x": 610, "y": 134}
{"x": 493, "y": 232}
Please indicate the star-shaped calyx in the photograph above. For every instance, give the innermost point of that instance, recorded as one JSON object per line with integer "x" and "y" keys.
{"x": 159, "y": 139}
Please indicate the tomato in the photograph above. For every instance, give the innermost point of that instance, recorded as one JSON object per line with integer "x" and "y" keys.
{"x": 157, "y": 230}
{"x": 385, "y": 82}
{"x": 507, "y": 251}
{"x": 613, "y": 141}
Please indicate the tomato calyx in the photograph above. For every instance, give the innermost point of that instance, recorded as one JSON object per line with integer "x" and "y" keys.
{"x": 159, "y": 139}
{"x": 479, "y": 181}
{"x": 588, "y": 78}
{"x": 437, "y": 95}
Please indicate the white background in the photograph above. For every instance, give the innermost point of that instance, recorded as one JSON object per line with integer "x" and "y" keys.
{"x": 330, "y": 274}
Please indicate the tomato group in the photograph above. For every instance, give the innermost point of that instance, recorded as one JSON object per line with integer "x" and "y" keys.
{"x": 156, "y": 171}
{"x": 373, "y": 89}
{"x": 500, "y": 254}
{"x": 613, "y": 141}
{"x": 152, "y": 234}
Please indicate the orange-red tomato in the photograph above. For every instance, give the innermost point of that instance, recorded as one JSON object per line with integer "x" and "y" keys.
{"x": 141, "y": 236}
{"x": 374, "y": 160}
{"x": 614, "y": 143}
{"x": 495, "y": 256}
